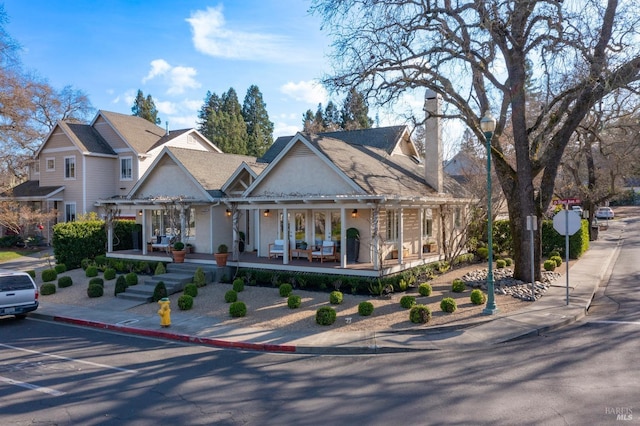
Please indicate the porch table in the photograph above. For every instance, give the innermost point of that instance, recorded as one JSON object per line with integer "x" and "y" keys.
{"x": 297, "y": 252}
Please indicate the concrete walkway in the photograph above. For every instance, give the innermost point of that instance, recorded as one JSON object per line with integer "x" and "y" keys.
{"x": 548, "y": 313}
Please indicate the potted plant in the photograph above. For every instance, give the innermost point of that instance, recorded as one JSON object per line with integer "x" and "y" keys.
{"x": 178, "y": 252}
{"x": 221, "y": 255}
{"x": 353, "y": 245}
{"x": 303, "y": 245}
{"x": 430, "y": 246}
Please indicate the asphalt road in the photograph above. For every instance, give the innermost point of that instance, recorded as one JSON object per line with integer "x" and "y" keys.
{"x": 587, "y": 373}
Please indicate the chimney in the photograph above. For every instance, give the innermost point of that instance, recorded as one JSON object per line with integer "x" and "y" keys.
{"x": 433, "y": 167}
{"x": 167, "y": 125}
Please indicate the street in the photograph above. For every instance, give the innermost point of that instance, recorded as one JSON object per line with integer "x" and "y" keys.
{"x": 585, "y": 373}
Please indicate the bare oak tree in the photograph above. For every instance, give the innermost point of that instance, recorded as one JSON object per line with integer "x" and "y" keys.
{"x": 481, "y": 55}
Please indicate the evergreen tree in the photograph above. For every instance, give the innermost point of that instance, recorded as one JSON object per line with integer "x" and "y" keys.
{"x": 145, "y": 108}
{"x": 314, "y": 123}
{"x": 355, "y": 112}
{"x": 220, "y": 120}
{"x": 307, "y": 121}
{"x": 256, "y": 118}
{"x": 208, "y": 114}
{"x": 332, "y": 119}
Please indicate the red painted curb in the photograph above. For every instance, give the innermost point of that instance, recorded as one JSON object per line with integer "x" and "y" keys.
{"x": 265, "y": 347}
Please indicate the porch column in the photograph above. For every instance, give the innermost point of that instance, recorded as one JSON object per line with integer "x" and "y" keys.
{"x": 375, "y": 234}
{"x": 343, "y": 238}
{"x": 421, "y": 232}
{"x": 183, "y": 222}
{"x": 400, "y": 236}
{"x": 144, "y": 231}
{"x": 236, "y": 238}
{"x": 110, "y": 233}
{"x": 285, "y": 231}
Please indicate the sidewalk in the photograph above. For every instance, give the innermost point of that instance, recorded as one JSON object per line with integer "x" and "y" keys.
{"x": 548, "y": 313}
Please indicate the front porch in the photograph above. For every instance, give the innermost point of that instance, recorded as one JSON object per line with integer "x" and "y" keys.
{"x": 251, "y": 260}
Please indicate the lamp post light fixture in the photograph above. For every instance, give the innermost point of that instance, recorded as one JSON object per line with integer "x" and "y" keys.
{"x": 488, "y": 126}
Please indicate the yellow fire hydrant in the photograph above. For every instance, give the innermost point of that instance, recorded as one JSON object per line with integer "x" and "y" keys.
{"x": 164, "y": 312}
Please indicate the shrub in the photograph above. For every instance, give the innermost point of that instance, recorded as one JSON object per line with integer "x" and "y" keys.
{"x": 199, "y": 278}
{"x": 238, "y": 309}
{"x": 97, "y": 281}
{"x": 60, "y": 268}
{"x": 121, "y": 285}
{"x": 159, "y": 291}
{"x": 178, "y": 246}
{"x": 556, "y": 259}
{"x": 335, "y": 297}
{"x": 160, "y": 269}
{"x": 425, "y": 289}
{"x": 549, "y": 265}
{"x": 420, "y": 314}
{"x": 365, "y": 308}
{"x": 49, "y": 275}
{"x": 325, "y": 315}
{"x": 554, "y": 253}
{"x": 84, "y": 263}
{"x": 508, "y": 261}
{"x": 231, "y": 296}
{"x": 95, "y": 290}
{"x": 222, "y": 248}
{"x": 92, "y": 271}
{"x": 458, "y": 286}
{"x": 185, "y": 302}
{"x": 448, "y": 304}
{"x": 65, "y": 282}
{"x": 32, "y": 273}
{"x": 294, "y": 301}
{"x": 48, "y": 288}
{"x": 407, "y": 301}
{"x": 132, "y": 279}
{"x": 285, "y": 290}
{"x": 238, "y": 285}
{"x": 478, "y": 297}
{"x": 500, "y": 263}
{"x": 191, "y": 290}
{"x": 483, "y": 253}
{"x": 109, "y": 274}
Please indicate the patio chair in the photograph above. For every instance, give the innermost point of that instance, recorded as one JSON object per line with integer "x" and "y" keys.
{"x": 276, "y": 248}
{"x": 163, "y": 243}
{"x": 326, "y": 252}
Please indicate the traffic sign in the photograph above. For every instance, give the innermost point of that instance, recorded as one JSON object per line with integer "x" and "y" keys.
{"x": 566, "y": 222}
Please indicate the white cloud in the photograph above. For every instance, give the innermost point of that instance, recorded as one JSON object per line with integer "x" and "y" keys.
{"x": 178, "y": 78}
{"x": 285, "y": 129}
{"x": 305, "y": 91}
{"x": 213, "y": 37}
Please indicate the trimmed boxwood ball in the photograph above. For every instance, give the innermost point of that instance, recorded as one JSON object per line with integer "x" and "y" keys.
{"x": 185, "y": 302}
{"x": 478, "y": 297}
{"x": 95, "y": 290}
{"x": 556, "y": 259}
{"x": 425, "y": 289}
{"x": 109, "y": 274}
{"x": 458, "y": 286}
{"x": 420, "y": 314}
{"x": 483, "y": 253}
{"x": 335, "y": 297}
{"x": 32, "y": 273}
{"x": 160, "y": 269}
{"x": 294, "y": 301}
{"x": 407, "y": 301}
{"x": 325, "y": 315}
{"x": 238, "y": 309}
{"x": 554, "y": 253}
{"x": 365, "y": 309}
{"x": 500, "y": 263}
{"x": 231, "y": 296}
{"x": 92, "y": 271}
{"x": 191, "y": 290}
{"x": 508, "y": 261}
{"x": 97, "y": 281}
{"x": 132, "y": 279}
{"x": 49, "y": 275}
{"x": 65, "y": 282}
{"x": 121, "y": 285}
{"x": 60, "y": 268}
{"x": 238, "y": 285}
{"x": 549, "y": 265}
{"x": 448, "y": 304}
{"x": 285, "y": 290}
{"x": 160, "y": 291}
{"x": 199, "y": 278}
{"x": 47, "y": 289}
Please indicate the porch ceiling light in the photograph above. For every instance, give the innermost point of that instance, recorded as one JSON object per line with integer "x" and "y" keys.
{"x": 266, "y": 213}
{"x": 228, "y": 212}
{"x": 354, "y": 213}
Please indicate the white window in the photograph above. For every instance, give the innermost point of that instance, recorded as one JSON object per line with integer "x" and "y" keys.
{"x": 36, "y": 167}
{"x": 392, "y": 225}
{"x": 427, "y": 223}
{"x": 70, "y": 212}
{"x": 51, "y": 164}
{"x": 126, "y": 168}
{"x": 69, "y": 167}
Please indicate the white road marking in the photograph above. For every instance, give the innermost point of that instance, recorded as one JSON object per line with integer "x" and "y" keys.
{"x": 32, "y": 387}
{"x": 616, "y": 322}
{"x": 124, "y": 370}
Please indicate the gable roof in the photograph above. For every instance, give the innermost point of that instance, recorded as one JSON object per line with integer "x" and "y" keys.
{"x": 140, "y": 134}
{"x": 86, "y": 138}
{"x": 31, "y": 190}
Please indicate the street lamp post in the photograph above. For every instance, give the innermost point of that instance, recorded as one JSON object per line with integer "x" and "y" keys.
{"x": 488, "y": 126}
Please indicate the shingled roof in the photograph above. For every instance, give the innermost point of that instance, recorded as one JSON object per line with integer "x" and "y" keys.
{"x": 31, "y": 189}
{"x": 86, "y": 138}
{"x": 141, "y": 134}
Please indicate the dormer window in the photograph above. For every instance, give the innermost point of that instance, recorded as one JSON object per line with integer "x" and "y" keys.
{"x": 126, "y": 168}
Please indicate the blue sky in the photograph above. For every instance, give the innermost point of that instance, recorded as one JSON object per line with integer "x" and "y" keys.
{"x": 176, "y": 51}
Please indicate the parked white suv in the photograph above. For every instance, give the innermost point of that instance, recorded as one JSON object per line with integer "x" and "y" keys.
{"x": 18, "y": 293}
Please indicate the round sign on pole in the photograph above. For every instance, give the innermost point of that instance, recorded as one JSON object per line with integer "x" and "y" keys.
{"x": 566, "y": 222}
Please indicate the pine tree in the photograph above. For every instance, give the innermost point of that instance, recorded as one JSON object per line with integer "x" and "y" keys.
{"x": 256, "y": 118}
{"x": 145, "y": 108}
{"x": 208, "y": 114}
{"x": 355, "y": 112}
{"x": 220, "y": 120}
{"x": 332, "y": 119}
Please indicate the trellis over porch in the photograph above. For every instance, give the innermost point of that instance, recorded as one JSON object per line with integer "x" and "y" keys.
{"x": 252, "y": 261}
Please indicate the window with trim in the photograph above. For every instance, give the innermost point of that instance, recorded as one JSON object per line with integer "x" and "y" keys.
{"x": 69, "y": 167}
{"x": 51, "y": 164}
{"x": 36, "y": 167}
{"x": 392, "y": 225}
{"x": 427, "y": 223}
{"x": 126, "y": 168}
{"x": 70, "y": 212}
